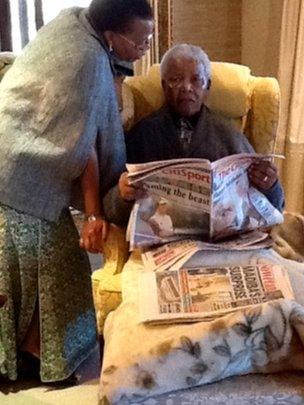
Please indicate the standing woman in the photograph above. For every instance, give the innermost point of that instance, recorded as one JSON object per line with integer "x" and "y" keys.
{"x": 60, "y": 137}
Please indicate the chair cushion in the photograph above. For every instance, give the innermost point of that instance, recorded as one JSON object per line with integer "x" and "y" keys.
{"x": 230, "y": 89}
{"x": 127, "y": 112}
{"x": 147, "y": 92}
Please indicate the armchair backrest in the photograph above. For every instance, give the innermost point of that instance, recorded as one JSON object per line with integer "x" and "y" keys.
{"x": 252, "y": 103}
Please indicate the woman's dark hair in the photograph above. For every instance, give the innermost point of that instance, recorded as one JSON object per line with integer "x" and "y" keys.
{"x": 116, "y": 15}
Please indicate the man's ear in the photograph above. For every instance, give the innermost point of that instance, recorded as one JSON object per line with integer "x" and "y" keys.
{"x": 206, "y": 91}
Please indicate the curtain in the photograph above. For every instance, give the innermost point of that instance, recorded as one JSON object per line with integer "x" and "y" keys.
{"x": 162, "y": 38}
{"x": 291, "y": 126}
{"x": 23, "y": 22}
{"x": 38, "y": 14}
{"x": 5, "y": 26}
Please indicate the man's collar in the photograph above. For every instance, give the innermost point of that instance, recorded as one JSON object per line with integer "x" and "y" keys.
{"x": 176, "y": 117}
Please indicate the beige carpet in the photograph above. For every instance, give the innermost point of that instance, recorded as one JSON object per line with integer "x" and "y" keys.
{"x": 84, "y": 394}
{"x": 31, "y": 392}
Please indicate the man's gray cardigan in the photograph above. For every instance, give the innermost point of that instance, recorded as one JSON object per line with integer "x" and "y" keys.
{"x": 156, "y": 138}
{"x": 57, "y": 102}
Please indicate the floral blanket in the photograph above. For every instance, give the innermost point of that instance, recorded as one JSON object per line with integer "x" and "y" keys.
{"x": 143, "y": 361}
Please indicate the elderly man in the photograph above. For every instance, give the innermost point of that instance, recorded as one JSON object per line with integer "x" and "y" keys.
{"x": 185, "y": 127}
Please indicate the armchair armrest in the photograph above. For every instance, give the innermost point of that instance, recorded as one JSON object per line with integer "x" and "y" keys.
{"x": 289, "y": 237}
{"x": 116, "y": 250}
{"x": 6, "y": 60}
{"x": 262, "y": 121}
{"x": 106, "y": 282}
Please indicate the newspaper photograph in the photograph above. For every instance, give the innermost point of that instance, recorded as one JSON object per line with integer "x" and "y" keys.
{"x": 197, "y": 198}
{"x": 236, "y": 206}
{"x": 174, "y": 205}
{"x": 208, "y": 292}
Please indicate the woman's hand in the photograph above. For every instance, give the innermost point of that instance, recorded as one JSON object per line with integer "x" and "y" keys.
{"x": 263, "y": 175}
{"x": 93, "y": 235}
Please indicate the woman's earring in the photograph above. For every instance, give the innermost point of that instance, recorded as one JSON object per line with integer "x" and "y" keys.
{"x": 111, "y": 50}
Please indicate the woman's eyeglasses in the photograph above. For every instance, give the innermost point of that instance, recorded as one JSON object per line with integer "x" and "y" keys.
{"x": 140, "y": 48}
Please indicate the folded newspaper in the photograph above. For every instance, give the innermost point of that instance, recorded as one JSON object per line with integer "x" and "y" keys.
{"x": 205, "y": 293}
{"x": 174, "y": 255}
{"x": 196, "y": 198}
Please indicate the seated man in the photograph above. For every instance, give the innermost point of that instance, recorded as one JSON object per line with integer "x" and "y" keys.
{"x": 185, "y": 128}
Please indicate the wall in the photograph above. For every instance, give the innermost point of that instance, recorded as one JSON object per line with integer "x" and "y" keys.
{"x": 215, "y": 25}
{"x": 239, "y": 31}
{"x": 261, "y": 27}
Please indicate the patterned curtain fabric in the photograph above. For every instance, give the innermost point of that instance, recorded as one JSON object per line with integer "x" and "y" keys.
{"x": 5, "y": 26}
{"x": 291, "y": 127}
{"x": 162, "y": 36}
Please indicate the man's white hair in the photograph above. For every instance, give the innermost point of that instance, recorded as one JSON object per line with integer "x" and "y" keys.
{"x": 190, "y": 52}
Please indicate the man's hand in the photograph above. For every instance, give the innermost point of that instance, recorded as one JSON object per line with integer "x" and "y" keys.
{"x": 263, "y": 174}
{"x": 93, "y": 234}
{"x": 127, "y": 191}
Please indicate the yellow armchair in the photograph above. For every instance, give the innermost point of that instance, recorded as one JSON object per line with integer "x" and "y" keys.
{"x": 6, "y": 61}
{"x": 252, "y": 103}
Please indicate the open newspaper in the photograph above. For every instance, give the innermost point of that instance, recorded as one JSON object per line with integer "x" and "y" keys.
{"x": 197, "y": 198}
{"x": 205, "y": 293}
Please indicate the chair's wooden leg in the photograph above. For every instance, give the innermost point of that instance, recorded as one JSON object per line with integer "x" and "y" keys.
{"x": 101, "y": 347}
{"x": 3, "y": 299}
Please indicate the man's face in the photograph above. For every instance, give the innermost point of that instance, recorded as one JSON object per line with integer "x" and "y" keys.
{"x": 162, "y": 209}
{"x": 184, "y": 86}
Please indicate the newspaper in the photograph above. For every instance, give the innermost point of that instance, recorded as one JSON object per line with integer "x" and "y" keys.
{"x": 205, "y": 293}
{"x": 170, "y": 255}
{"x": 196, "y": 198}
{"x": 174, "y": 254}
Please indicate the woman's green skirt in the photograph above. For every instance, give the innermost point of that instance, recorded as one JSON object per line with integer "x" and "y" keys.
{"x": 41, "y": 263}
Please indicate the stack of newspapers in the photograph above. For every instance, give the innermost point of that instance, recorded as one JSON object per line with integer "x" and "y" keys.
{"x": 205, "y": 293}
{"x": 185, "y": 207}
{"x": 194, "y": 198}
{"x": 173, "y": 255}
